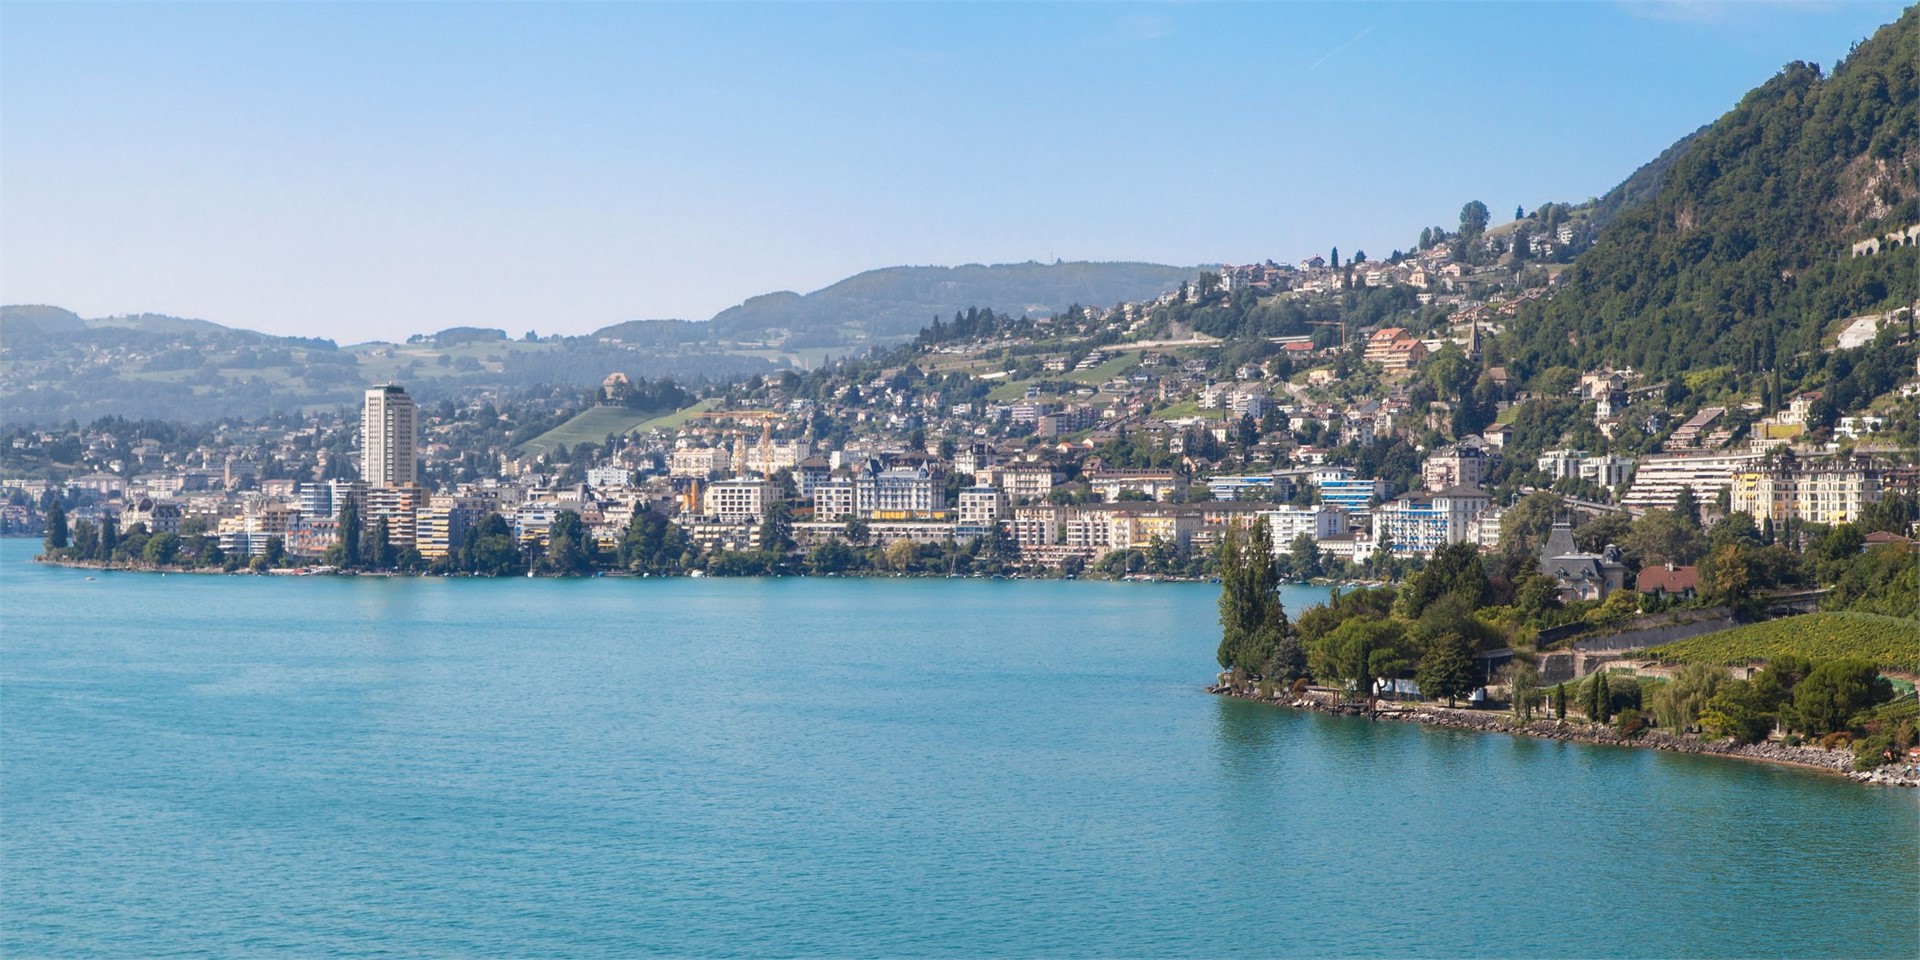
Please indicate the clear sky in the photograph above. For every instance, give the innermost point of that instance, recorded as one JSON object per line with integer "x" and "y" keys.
{"x": 370, "y": 170}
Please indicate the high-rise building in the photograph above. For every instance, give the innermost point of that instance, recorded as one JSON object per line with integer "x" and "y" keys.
{"x": 389, "y": 435}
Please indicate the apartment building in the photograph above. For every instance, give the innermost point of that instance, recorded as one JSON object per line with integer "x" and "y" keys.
{"x": 1658, "y": 480}
{"x": 980, "y": 509}
{"x": 1424, "y": 521}
{"x": 1352, "y": 494}
{"x": 1287, "y": 524}
{"x": 1153, "y": 484}
{"x": 833, "y": 500}
{"x": 389, "y": 436}
{"x": 739, "y": 500}
{"x": 1825, "y": 491}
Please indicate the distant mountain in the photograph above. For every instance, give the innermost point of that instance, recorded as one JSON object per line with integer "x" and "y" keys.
{"x": 37, "y": 319}
{"x": 895, "y": 302}
{"x": 1740, "y": 254}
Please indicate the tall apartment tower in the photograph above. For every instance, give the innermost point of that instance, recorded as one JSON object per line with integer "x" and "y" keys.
{"x": 388, "y": 437}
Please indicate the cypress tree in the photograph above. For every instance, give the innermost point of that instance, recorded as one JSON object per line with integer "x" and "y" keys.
{"x": 56, "y": 526}
{"x": 348, "y": 530}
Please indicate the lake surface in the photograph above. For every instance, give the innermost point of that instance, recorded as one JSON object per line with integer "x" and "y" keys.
{"x": 260, "y": 766}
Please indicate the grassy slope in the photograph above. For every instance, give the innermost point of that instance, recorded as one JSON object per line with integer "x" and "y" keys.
{"x": 1891, "y": 642}
{"x": 595, "y": 423}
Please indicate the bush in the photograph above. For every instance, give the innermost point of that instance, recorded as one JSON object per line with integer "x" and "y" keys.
{"x": 1630, "y": 723}
{"x": 1299, "y": 687}
{"x": 1838, "y": 740}
{"x": 1873, "y": 750}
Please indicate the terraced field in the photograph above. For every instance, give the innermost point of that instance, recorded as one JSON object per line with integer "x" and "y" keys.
{"x": 1891, "y": 642}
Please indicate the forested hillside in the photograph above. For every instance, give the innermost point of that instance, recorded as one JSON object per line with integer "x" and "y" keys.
{"x": 1741, "y": 257}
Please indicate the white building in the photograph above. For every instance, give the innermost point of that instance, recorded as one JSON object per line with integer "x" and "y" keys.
{"x": 1288, "y": 523}
{"x": 734, "y": 501}
{"x": 1424, "y": 521}
{"x": 389, "y": 436}
{"x": 981, "y": 508}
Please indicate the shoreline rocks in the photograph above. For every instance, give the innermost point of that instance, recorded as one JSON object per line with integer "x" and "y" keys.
{"x": 1839, "y": 762}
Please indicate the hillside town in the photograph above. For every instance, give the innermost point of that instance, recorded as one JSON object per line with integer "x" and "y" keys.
{"x": 1123, "y": 440}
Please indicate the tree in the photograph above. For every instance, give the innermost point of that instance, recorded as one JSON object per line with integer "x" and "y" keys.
{"x": 1523, "y": 684}
{"x": 56, "y": 526}
{"x": 490, "y": 549}
{"x": 1303, "y": 557}
{"x": 376, "y": 550}
{"x": 109, "y": 538}
{"x": 1662, "y": 536}
{"x": 1827, "y": 699}
{"x": 776, "y": 531}
{"x": 162, "y": 548}
{"x": 348, "y": 533}
{"x": 1726, "y": 576}
{"x": 1525, "y": 526}
{"x": 568, "y": 552}
{"x": 1687, "y": 507}
{"x": 1599, "y": 698}
{"x": 1454, "y": 571}
{"x": 1473, "y": 220}
{"x": 1255, "y": 636}
{"x": 1447, "y": 670}
{"x": 1560, "y": 701}
{"x": 1359, "y": 650}
{"x": 1678, "y": 703}
{"x": 1734, "y": 711}
{"x": 857, "y": 530}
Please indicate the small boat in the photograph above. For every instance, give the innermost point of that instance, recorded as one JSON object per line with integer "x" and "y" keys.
{"x": 89, "y": 579}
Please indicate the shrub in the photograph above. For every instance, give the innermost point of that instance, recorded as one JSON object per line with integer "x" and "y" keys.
{"x": 1299, "y": 687}
{"x": 1873, "y": 750}
{"x": 1630, "y": 723}
{"x": 1838, "y": 740}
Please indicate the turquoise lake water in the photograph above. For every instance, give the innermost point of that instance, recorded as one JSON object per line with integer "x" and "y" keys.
{"x": 254, "y": 766}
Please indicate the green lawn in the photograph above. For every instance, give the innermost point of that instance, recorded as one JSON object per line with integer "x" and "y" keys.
{"x": 1008, "y": 391}
{"x": 1107, "y": 370}
{"x": 1891, "y": 642}
{"x": 593, "y": 424}
{"x": 1185, "y": 409}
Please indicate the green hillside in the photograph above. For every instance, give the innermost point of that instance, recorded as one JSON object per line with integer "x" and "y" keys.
{"x": 595, "y": 424}
{"x": 1742, "y": 255}
{"x": 1891, "y": 642}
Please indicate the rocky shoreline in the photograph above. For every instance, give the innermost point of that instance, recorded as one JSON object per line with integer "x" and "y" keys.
{"x": 1839, "y": 762}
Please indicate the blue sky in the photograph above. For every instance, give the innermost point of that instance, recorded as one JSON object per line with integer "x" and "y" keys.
{"x": 370, "y": 170}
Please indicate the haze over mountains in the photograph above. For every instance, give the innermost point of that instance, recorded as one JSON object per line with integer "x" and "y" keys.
{"x": 59, "y": 366}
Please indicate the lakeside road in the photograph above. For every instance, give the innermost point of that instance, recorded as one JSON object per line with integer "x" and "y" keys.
{"x": 1838, "y": 762}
